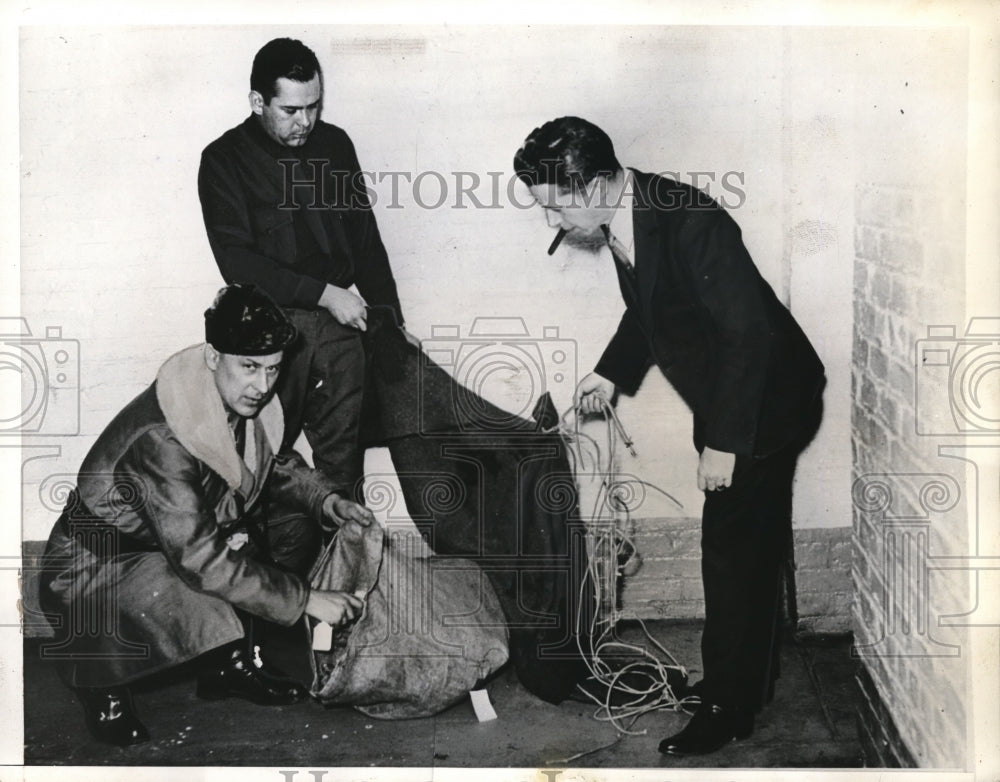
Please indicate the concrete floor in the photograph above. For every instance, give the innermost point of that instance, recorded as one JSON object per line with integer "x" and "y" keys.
{"x": 810, "y": 724}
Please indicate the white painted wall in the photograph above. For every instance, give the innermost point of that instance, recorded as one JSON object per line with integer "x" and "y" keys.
{"x": 113, "y": 250}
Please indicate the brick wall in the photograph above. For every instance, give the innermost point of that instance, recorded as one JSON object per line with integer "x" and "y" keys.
{"x": 668, "y": 585}
{"x": 910, "y": 506}
{"x": 881, "y": 744}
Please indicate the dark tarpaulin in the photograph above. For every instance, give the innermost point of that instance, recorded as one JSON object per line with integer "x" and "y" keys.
{"x": 487, "y": 486}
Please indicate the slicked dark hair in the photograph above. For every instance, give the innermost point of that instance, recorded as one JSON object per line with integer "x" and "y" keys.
{"x": 282, "y": 58}
{"x": 567, "y": 152}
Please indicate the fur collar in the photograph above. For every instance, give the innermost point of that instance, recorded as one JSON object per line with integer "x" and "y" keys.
{"x": 194, "y": 412}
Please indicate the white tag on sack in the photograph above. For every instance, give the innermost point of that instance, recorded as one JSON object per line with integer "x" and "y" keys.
{"x": 482, "y": 706}
{"x": 322, "y": 637}
{"x": 237, "y": 540}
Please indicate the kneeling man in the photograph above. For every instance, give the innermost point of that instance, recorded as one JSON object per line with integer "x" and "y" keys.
{"x": 187, "y": 523}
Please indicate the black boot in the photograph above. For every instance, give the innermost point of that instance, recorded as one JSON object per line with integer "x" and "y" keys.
{"x": 271, "y": 671}
{"x": 710, "y": 729}
{"x": 233, "y": 672}
{"x": 110, "y": 716}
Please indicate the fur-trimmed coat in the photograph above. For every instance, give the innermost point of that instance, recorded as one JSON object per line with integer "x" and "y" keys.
{"x": 137, "y": 573}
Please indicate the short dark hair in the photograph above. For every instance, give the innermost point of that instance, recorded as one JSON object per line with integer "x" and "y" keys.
{"x": 567, "y": 152}
{"x": 245, "y": 321}
{"x": 282, "y": 58}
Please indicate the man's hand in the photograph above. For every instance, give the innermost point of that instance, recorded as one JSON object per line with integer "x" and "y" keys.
{"x": 338, "y": 510}
{"x": 592, "y": 392}
{"x": 715, "y": 469}
{"x": 346, "y": 308}
{"x": 334, "y": 608}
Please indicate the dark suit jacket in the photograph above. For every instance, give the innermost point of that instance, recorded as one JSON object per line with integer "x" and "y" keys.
{"x": 702, "y": 313}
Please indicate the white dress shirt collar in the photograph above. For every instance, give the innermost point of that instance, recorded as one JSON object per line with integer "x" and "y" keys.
{"x": 620, "y": 223}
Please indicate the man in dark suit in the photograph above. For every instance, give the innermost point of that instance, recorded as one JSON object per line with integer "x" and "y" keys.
{"x": 697, "y": 307}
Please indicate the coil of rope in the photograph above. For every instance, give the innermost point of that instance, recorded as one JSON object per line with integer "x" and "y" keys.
{"x": 643, "y": 684}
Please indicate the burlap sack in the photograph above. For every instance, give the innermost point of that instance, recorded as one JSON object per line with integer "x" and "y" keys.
{"x": 431, "y": 627}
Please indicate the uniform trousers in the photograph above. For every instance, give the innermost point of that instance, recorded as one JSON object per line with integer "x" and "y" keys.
{"x": 321, "y": 389}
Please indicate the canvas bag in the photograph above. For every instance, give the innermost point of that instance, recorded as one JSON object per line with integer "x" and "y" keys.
{"x": 431, "y": 627}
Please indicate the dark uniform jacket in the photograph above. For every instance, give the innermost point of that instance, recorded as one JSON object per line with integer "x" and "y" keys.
{"x": 292, "y": 220}
{"x": 137, "y": 573}
{"x": 698, "y": 308}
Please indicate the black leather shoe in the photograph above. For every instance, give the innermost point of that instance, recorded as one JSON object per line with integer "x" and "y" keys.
{"x": 710, "y": 729}
{"x": 271, "y": 671}
{"x": 110, "y": 716}
{"x": 244, "y": 677}
{"x": 692, "y": 692}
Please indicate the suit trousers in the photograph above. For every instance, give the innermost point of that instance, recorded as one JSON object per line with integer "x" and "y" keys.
{"x": 746, "y": 533}
{"x": 321, "y": 389}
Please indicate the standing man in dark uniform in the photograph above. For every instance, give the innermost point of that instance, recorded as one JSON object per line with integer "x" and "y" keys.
{"x": 286, "y": 209}
{"x": 697, "y": 307}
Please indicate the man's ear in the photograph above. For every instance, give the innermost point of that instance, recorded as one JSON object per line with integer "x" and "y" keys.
{"x": 256, "y": 102}
{"x": 597, "y": 190}
{"x": 211, "y": 357}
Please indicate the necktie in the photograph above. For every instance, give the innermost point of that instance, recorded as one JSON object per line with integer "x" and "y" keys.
{"x": 618, "y": 251}
{"x": 240, "y": 436}
{"x": 246, "y": 446}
